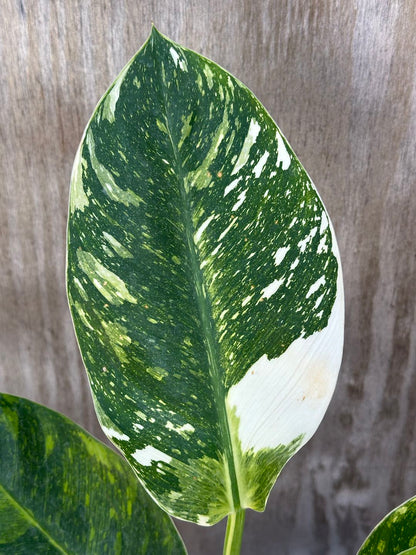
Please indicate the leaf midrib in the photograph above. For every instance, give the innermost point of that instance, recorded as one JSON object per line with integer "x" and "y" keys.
{"x": 30, "y": 519}
{"x": 205, "y": 312}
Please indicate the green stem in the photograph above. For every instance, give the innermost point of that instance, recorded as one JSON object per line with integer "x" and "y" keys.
{"x": 234, "y": 533}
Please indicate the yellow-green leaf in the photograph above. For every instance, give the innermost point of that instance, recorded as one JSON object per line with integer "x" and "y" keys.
{"x": 395, "y": 534}
{"x": 62, "y": 491}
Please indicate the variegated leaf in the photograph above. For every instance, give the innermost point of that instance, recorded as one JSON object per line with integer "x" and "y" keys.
{"x": 395, "y": 534}
{"x": 62, "y": 491}
{"x": 204, "y": 283}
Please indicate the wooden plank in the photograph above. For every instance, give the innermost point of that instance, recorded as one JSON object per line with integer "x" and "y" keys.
{"x": 339, "y": 79}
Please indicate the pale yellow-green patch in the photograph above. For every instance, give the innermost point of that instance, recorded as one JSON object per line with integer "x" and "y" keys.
{"x": 108, "y": 284}
{"x": 122, "y": 155}
{"x": 79, "y": 199}
{"x": 162, "y": 72}
{"x": 174, "y": 495}
{"x": 117, "y": 333}
{"x": 81, "y": 289}
{"x": 257, "y": 471}
{"x": 108, "y": 251}
{"x": 209, "y": 75}
{"x": 157, "y": 372}
{"x": 110, "y": 100}
{"x": 200, "y": 84}
{"x": 141, "y": 415}
{"x": 230, "y": 142}
{"x": 117, "y": 246}
{"x": 398, "y": 513}
{"x": 200, "y": 177}
{"x": 49, "y": 444}
{"x": 118, "y": 338}
{"x": 186, "y": 129}
{"x": 203, "y": 482}
{"x": 92, "y": 534}
{"x": 381, "y": 546}
{"x": 115, "y": 193}
{"x": 185, "y": 430}
{"x": 82, "y": 315}
{"x": 94, "y": 449}
{"x": 162, "y": 127}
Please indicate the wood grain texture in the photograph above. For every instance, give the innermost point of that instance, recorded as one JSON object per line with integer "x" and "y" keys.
{"x": 340, "y": 80}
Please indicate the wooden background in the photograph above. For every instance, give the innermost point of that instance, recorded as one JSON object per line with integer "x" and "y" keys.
{"x": 339, "y": 77}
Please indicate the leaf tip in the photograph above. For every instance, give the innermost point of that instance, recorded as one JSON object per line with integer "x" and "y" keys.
{"x": 155, "y": 33}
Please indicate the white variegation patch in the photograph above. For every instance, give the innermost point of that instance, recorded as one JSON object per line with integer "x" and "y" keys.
{"x": 114, "y": 434}
{"x": 183, "y": 430}
{"x": 280, "y": 399}
{"x": 322, "y": 247}
{"x": 246, "y": 300}
{"x": 305, "y": 242}
{"x": 272, "y": 288}
{"x": 150, "y": 454}
{"x": 232, "y": 185}
{"x": 283, "y": 157}
{"x": 178, "y": 60}
{"x": 174, "y": 54}
{"x": 253, "y": 131}
{"x": 226, "y": 230}
{"x": 324, "y": 222}
{"x": 258, "y": 168}
{"x": 202, "y": 228}
{"x": 315, "y": 286}
{"x": 203, "y": 520}
{"x": 280, "y": 254}
{"x": 241, "y": 199}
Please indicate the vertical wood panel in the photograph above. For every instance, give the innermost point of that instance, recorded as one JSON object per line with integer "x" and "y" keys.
{"x": 340, "y": 80}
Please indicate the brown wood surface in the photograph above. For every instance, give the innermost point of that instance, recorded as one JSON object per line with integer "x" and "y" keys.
{"x": 339, "y": 77}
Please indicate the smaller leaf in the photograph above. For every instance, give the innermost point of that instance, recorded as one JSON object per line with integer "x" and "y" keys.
{"x": 395, "y": 534}
{"x": 62, "y": 491}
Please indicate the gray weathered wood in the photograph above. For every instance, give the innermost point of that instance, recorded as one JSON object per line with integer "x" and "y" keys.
{"x": 340, "y": 80}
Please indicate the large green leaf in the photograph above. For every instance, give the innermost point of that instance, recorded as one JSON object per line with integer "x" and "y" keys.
{"x": 395, "y": 534}
{"x": 204, "y": 283}
{"x": 62, "y": 491}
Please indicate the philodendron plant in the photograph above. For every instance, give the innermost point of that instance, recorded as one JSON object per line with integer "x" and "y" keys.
{"x": 204, "y": 283}
{"x": 206, "y": 292}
